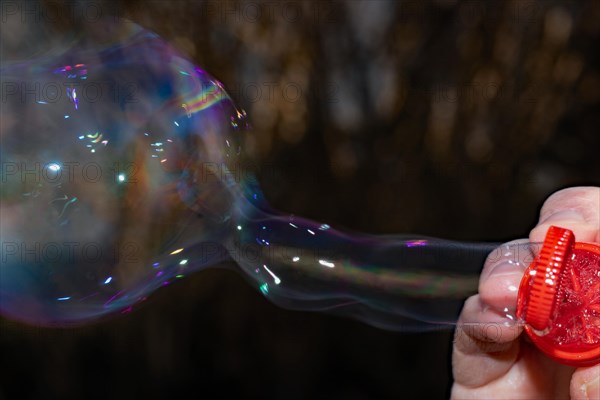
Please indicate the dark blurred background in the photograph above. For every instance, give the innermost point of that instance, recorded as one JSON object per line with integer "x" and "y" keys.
{"x": 443, "y": 118}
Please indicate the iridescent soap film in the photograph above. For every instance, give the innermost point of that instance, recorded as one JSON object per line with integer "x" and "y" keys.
{"x": 123, "y": 170}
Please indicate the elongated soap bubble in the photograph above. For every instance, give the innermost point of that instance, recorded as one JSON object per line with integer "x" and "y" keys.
{"x": 123, "y": 170}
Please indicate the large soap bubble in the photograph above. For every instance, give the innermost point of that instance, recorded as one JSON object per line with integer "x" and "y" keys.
{"x": 123, "y": 170}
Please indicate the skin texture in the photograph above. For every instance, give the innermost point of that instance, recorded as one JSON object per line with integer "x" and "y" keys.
{"x": 493, "y": 360}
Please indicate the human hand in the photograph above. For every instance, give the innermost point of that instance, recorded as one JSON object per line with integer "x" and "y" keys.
{"x": 491, "y": 359}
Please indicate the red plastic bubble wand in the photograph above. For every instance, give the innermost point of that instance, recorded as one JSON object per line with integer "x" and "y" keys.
{"x": 559, "y": 299}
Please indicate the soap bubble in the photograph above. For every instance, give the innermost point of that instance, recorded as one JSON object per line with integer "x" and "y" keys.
{"x": 121, "y": 173}
{"x": 103, "y": 148}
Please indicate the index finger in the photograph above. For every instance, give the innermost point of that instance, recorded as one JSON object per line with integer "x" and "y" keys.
{"x": 485, "y": 344}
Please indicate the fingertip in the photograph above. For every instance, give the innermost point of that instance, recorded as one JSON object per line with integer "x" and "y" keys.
{"x": 501, "y": 277}
{"x": 499, "y": 290}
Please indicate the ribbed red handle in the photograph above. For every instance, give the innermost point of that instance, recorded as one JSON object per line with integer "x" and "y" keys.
{"x": 549, "y": 265}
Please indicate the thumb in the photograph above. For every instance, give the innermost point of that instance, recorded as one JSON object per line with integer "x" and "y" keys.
{"x": 577, "y": 209}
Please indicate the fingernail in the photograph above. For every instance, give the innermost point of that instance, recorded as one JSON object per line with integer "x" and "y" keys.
{"x": 507, "y": 268}
{"x": 592, "y": 389}
{"x": 499, "y": 289}
{"x": 564, "y": 215}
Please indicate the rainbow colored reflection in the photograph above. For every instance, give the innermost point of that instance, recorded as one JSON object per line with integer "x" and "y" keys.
{"x": 119, "y": 160}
